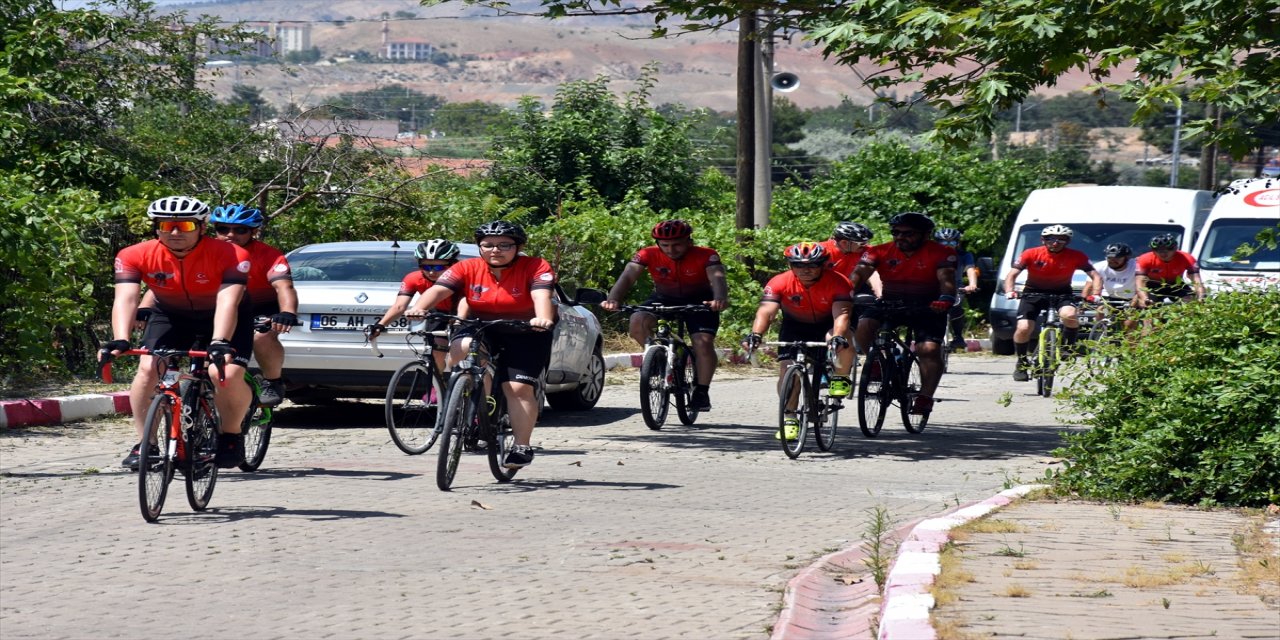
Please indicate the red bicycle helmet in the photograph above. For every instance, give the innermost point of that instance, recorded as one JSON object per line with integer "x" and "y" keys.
{"x": 672, "y": 230}
{"x": 806, "y": 253}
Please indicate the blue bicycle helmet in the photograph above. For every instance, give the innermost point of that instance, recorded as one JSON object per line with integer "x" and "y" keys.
{"x": 240, "y": 214}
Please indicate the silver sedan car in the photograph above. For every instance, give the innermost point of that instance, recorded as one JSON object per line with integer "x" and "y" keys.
{"x": 345, "y": 286}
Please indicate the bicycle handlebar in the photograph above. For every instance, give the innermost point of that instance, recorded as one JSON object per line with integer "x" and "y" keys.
{"x": 104, "y": 367}
{"x": 665, "y": 310}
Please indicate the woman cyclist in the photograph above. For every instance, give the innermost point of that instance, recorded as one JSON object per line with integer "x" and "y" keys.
{"x": 501, "y": 284}
{"x": 434, "y": 257}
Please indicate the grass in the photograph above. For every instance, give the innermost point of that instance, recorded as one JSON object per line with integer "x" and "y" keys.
{"x": 1259, "y": 560}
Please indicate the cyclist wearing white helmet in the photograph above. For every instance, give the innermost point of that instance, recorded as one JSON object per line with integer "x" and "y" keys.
{"x": 434, "y": 257}
{"x": 198, "y": 284}
{"x": 1049, "y": 271}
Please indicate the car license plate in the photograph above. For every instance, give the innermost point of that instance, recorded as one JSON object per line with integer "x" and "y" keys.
{"x": 347, "y": 322}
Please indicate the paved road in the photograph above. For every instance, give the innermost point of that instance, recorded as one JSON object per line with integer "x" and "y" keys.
{"x": 615, "y": 531}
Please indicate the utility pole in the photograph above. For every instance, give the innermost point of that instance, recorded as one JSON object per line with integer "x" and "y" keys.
{"x": 763, "y": 96}
{"x": 1177, "y": 148}
{"x": 745, "y": 188}
{"x": 1209, "y": 156}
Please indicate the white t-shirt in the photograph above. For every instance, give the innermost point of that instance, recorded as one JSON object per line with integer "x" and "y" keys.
{"x": 1118, "y": 284}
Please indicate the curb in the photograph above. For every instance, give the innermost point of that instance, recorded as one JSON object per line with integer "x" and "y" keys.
{"x": 905, "y": 611}
{"x": 40, "y": 411}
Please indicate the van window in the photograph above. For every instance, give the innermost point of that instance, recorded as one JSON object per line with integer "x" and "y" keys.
{"x": 1093, "y": 238}
{"x": 1225, "y": 236}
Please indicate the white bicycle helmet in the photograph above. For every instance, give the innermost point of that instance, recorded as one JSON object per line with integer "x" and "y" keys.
{"x": 1057, "y": 230}
{"x": 178, "y": 207}
{"x": 438, "y": 249}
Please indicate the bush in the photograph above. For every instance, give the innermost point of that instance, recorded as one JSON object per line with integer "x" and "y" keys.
{"x": 1189, "y": 413}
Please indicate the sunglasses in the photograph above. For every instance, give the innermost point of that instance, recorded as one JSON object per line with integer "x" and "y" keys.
{"x": 805, "y": 265}
{"x": 169, "y": 226}
{"x": 433, "y": 267}
{"x": 1056, "y": 240}
{"x": 898, "y": 233}
{"x": 500, "y": 246}
{"x": 224, "y": 230}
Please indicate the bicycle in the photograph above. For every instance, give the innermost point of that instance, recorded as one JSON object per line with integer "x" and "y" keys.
{"x": 814, "y": 408}
{"x": 890, "y": 374}
{"x": 1048, "y": 350}
{"x": 412, "y": 402}
{"x": 470, "y": 415}
{"x": 258, "y": 419}
{"x": 182, "y": 422}
{"x": 669, "y": 367}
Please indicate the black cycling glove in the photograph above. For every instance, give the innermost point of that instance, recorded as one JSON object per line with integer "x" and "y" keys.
{"x": 376, "y": 329}
{"x": 285, "y": 318}
{"x": 837, "y": 343}
{"x": 143, "y": 314}
{"x": 113, "y": 345}
{"x": 752, "y": 341}
{"x": 219, "y": 350}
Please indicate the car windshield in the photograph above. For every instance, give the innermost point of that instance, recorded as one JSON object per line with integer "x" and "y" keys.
{"x": 1093, "y": 239}
{"x": 352, "y": 266}
{"x": 1225, "y": 237}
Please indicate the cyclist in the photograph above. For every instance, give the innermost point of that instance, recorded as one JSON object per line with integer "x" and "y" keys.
{"x": 816, "y": 305}
{"x": 1049, "y": 269}
{"x": 434, "y": 257}
{"x": 1119, "y": 277}
{"x": 199, "y": 286}
{"x": 918, "y": 271}
{"x": 967, "y": 268}
{"x": 270, "y": 291}
{"x": 682, "y": 274}
{"x": 502, "y": 284}
{"x": 845, "y": 248}
{"x": 1160, "y": 271}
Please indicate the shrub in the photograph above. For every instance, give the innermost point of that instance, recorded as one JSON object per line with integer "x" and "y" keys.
{"x": 1189, "y": 413}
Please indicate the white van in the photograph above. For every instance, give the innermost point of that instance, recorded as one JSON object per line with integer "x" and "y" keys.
{"x": 1244, "y": 209}
{"x": 1098, "y": 216}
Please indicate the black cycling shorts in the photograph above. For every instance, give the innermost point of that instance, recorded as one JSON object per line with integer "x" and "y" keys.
{"x": 696, "y": 322}
{"x": 792, "y": 331}
{"x": 519, "y": 355}
{"x": 926, "y": 325}
{"x": 177, "y": 331}
{"x": 1032, "y": 303}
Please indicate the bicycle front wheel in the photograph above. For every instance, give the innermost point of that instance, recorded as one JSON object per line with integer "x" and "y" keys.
{"x": 500, "y": 439}
{"x": 459, "y": 414}
{"x": 201, "y": 445}
{"x": 257, "y": 433}
{"x": 654, "y": 394}
{"x": 1048, "y": 355}
{"x": 911, "y": 385}
{"x": 824, "y": 432}
{"x": 412, "y": 406}
{"x": 873, "y": 394}
{"x": 686, "y": 377}
{"x": 795, "y": 385}
{"x": 155, "y": 470}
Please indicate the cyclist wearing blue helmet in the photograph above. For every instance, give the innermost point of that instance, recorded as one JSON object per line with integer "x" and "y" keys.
{"x": 270, "y": 291}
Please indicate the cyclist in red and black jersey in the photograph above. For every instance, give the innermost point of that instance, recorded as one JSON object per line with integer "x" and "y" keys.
{"x": 270, "y": 291}
{"x": 434, "y": 257}
{"x": 1160, "y": 272}
{"x": 682, "y": 274}
{"x": 1049, "y": 271}
{"x": 920, "y": 272}
{"x": 501, "y": 284}
{"x": 816, "y": 305}
{"x": 198, "y": 284}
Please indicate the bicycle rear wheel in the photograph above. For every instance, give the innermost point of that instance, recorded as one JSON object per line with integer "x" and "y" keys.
{"x": 873, "y": 394}
{"x": 412, "y": 406}
{"x": 459, "y": 414}
{"x": 654, "y": 394}
{"x": 500, "y": 439}
{"x": 911, "y": 379}
{"x": 794, "y": 383}
{"x": 155, "y": 470}
{"x": 257, "y": 432}
{"x": 686, "y": 377}
{"x": 201, "y": 445}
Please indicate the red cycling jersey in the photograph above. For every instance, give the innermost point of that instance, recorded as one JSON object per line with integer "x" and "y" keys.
{"x": 417, "y": 282}
{"x": 188, "y": 284}
{"x": 684, "y": 279}
{"x": 841, "y": 263}
{"x": 1160, "y": 272}
{"x": 507, "y": 299}
{"x": 914, "y": 276}
{"x": 1051, "y": 272}
{"x": 812, "y": 304}
{"x": 268, "y": 266}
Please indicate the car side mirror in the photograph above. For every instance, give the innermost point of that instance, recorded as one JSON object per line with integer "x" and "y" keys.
{"x": 986, "y": 268}
{"x": 589, "y": 296}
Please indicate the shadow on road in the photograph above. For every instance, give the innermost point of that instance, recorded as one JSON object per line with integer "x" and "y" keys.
{"x": 535, "y": 484}
{"x": 297, "y": 472}
{"x": 237, "y": 513}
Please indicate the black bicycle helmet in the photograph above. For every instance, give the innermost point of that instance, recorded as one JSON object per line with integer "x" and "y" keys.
{"x": 438, "y": 249}
{"x": 852, "y": 231}
{"x": 1164, "y": 241}
{"x": 501, "y": 228}
{"x": 806, "y": 253}
{"x": 1118, "y": 250}
{"x": 914, "y": 220}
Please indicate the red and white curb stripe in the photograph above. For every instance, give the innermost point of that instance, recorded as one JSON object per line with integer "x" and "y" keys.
{"x": 18, "y": 413}
{"x": 905, "y": 612}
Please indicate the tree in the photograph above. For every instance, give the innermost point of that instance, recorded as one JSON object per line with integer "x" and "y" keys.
{"x": 474, "y": 118}
{"x": 974, "y": 59}
{"x": 392, "y": 102}
{"x": 251, "y": 99}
